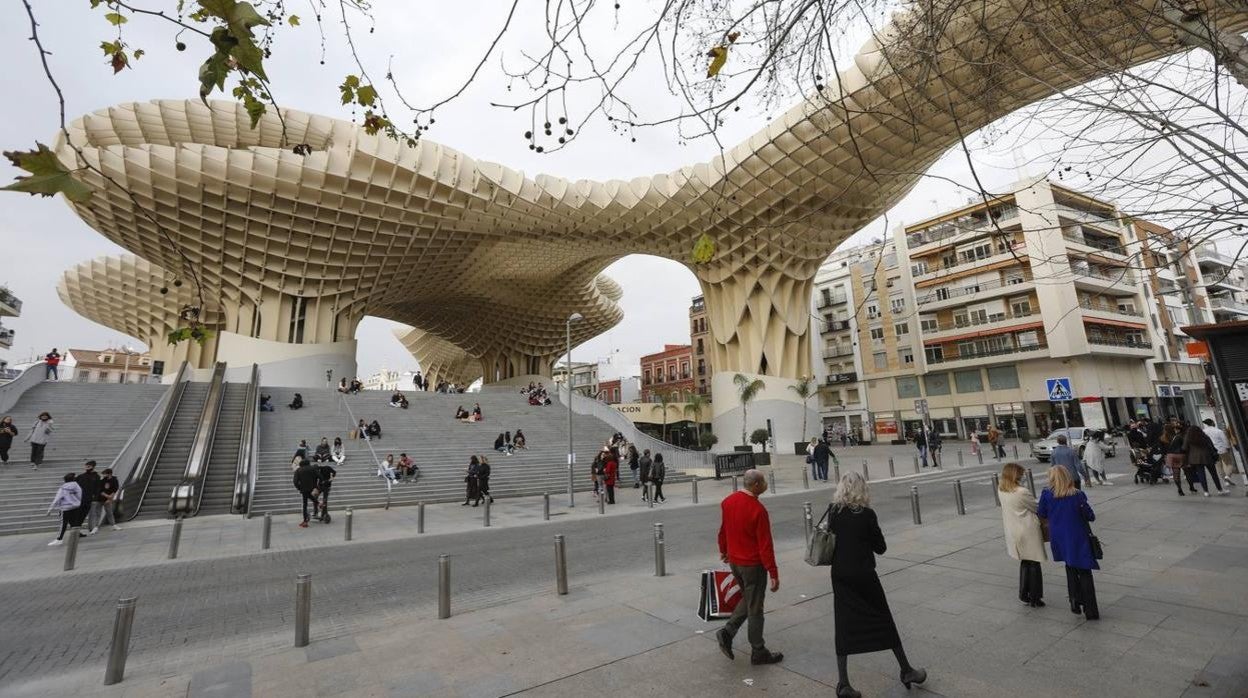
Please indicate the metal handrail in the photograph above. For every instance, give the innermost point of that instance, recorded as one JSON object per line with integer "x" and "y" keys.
{"x": 141, "y": 474}
{"x": 245, "y": 475}
{"x": 674, "y": 456}
{"x": 118, "y": 466}
{"x": 185, "y": 496}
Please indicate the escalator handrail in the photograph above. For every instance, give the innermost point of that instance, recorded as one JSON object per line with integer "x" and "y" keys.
{"x": 245, "y": 474}
{"x": 140, "y": 475}
{"x": 185, "y": 496}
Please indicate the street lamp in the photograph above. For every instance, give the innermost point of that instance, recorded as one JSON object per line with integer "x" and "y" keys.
{"x": 567, "y": 380}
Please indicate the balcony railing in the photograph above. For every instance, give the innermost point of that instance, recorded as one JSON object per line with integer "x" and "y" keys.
{"x": 1118, "y": 342}
{"x": 1227, "y": 304}
{"x": 6, "y": 337}
{"x": 984, "y": 353}
{"x": 7, "y": 298}
{"x": 947, "y": 293}
{"x": 835, "y": 326}
{"x": 1106, "y": 308}
{"x": 839, "y": 378}
{"x": 1105, "y": 245}
{"x": 1087, "y": 216}
{"x": 960, "y": 226}
{"x": 1018, "y": 247}
{"x": 835, "y": 352}
{"x": 1208, "y": 253}
{"x": 972, "y": 321}
{"x": 1117, "y": 276}
{"x": 832, "y": 299}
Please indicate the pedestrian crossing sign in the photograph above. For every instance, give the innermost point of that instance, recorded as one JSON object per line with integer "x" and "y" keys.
{"x": 1059, "y": 389}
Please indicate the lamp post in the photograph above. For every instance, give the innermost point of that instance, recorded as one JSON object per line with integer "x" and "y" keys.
{"x": 567, "y": 380}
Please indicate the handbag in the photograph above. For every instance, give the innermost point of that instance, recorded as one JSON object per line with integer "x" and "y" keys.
{"x": 1098, "y": 552}
{"x": 720, "y": 595}
{"x": 822, "y": 545}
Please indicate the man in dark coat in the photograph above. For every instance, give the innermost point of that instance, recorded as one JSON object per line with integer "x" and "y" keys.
{"x": 306, "y": 479}
{"x": 92, "y": 508}
{"x": 325, "y": 475}
{"x": 822, "y": 452}
{"x": 645, "y": 464}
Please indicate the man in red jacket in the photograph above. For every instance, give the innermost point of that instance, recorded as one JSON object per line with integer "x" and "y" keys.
{"x": 745, "y": 544}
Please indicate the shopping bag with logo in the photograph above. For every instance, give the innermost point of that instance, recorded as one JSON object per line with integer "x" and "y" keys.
{"x": 720, "y": 595}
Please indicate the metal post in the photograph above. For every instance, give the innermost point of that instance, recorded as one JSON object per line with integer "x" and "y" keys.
{"x": 602, "y": 499}
{"x": 115, "y": 670}
{"x": 805, "y": 479}
{"x": 71, "y": 547}
{"x": 809, "y": 520}
{"x": 561, "y": 565}
{"x": 1015, "y": 447}
{"x": 387, "y": 499}
{"x": 420, "y": 517}
{"x": 444, "y": 586}
{"x": 916, "y": 462}
{"x": 660, "y": 564}
{"x": 486, "y": 513}
{"x": 545, "y": 506}
{"x": 695, "y": 490}
{"x": 303, "y": 608}
{"x": 266, "y": 532}
{"x": 1031, "y": 482}
{"x": 734, "y": 483}
{"x": 346, "y": 530}
{"x": 996, "y": 483}
{"x": 567, "y": 383}
{"x": 650, "y": 502}
{"x": 836, "y": 472}
{"x": 914, "y": 505}
{"x": 957, "y": 497}
{"x": 960, "y": 463}
{"x": 772, "y": 476}
{"x": 175, "y": 538}
{"x": 865, "y": 475}
{"x": 892, "y": 469}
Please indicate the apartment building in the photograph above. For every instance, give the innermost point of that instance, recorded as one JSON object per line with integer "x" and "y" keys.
{"x": 620, "y": 390}
{"x": 110, "y": 366}
{"x": 700, "y": 340}
{"x": 584, "y": 377}
{"x": 10, "y": 306}
{"x": 668, "y": 372}
{"x": 842, "y": 396}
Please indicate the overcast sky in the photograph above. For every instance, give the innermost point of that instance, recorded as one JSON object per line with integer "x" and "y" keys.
{"x": 434, "y": 46}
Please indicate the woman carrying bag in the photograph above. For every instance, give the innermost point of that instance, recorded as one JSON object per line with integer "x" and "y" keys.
{"x": 1068, "y": 513}
{"x": 863, "y": 620}
{"x": 1024, "y": 536}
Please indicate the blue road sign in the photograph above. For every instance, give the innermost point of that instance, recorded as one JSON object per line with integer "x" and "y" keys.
{"x": 1058, "y": 389}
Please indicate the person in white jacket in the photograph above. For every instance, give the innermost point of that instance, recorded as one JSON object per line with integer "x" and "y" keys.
{"x": 40, "y": 434}
{"x": 1024, "y": 539}
{"x": 67, "y": 503}
{"x": 1226, "y": 460}
{"x": 1094, "y": 459}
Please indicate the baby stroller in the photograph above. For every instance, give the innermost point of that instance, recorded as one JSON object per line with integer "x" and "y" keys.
{"x": 1148, "y": 465}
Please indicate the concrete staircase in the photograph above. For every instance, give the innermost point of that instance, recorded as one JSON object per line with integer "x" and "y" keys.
{"x": 430, "y": 435}
{"x": 218, "y": 489}
{"x": 171, "y": 464}
{"x": 91, "y": 420}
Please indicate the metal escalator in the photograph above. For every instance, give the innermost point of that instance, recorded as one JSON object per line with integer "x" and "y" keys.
{"x": 175, "y": 450}
{"x": 217, "y": 491}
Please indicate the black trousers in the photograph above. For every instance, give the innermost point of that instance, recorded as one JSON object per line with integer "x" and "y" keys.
{"x": 610, "y": 494}
{"x": 324, "y": 501}
{"x": 1030, "y": 581}
{"x": 1082, "y": 592}
{"x": 658, "y": 490}
{"x": 36, "y": 453}
{"x": 4, "y": 452}
{"x": 307, "y": 497}
{"x": 1198, "y": 474}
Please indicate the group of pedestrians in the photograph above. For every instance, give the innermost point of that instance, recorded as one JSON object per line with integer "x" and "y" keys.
{"x": 313, "y": 482}
{"x": 87, "y": 497}
{"x": 477, "y": 481}
{"x": 818, "y": 453}
{"x": 39, "y": 435}
{"x": 648, "y": 470}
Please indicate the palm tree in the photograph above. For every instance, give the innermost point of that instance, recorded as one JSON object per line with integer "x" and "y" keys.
{"x": 805, "y": 389}
{"x": 665, "y": 399}
{"x": 695, "y": 405}
{"x": 747, "y": 390}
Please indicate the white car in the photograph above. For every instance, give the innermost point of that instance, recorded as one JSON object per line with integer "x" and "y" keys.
{"x": 1076, "y": 438}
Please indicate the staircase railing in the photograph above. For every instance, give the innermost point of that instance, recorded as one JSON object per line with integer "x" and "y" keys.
{"x": 367, "y": 442}
{"x": 673, "y": 456}
{"x": 143, "y": 450}
{"x": 186, "y": 495}
{"x": 245, "y": 475}
{"x": 12, "y": 391}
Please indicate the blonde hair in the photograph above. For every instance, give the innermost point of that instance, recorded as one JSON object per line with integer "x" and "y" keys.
{"x": 851, "y": 492}
{"x": 1011, "y": 477}
{"x": 1060, "y": 482}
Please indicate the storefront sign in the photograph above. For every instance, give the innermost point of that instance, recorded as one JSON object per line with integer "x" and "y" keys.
{"x": 837, "y": 378}
{"x": 886, "y": 427}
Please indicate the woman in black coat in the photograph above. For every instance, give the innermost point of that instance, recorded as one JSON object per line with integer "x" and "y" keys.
{"x": 7, "y": 432}
{"x": 863, "y": 621}
{"x": 1201, "y": 455}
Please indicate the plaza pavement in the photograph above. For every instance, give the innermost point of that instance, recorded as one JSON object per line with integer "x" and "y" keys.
{"x": 1173, "y": 620}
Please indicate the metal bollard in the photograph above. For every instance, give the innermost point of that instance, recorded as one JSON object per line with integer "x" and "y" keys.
{"x": 444, "y": 586}
{"x": 387, "y": 499}
{"x": 561, "y": 565}
{"x": 660, "y": 563}
{"x": 805, "y": 479}
{"x": 914, "y": 505}
{"x": 71, "y": 547}
{"x": 960, "y": 463}
{"x": 602, "y": 501}
{"x": 808, "y": 518}
{"x": 734, "y": 483}
{"x": 772, "y": 477}
{"x": 115, "y": 670}
{"x": 865, "y": 475}
{"x": 1015, "y": 447}
{"x": 303, "y": 609}
{"x": 980, "y": 457}
{"x": 175, "y": 538}
{"x": 892, "y": 470}
{"x": 485, "y": 514}
{"x": 420, "y": 517}
{"x": 266, "y": 532}
{"x": 346, "y": 530}
{"x": 916, "y": 463}
{"x": 545, "y": 506}
{"x": 695, "y": 490}
{"x": 996, "y": 483}
{"x": 650, "y": 502}
{"x": 836, "y": 472}
{"x": 957, "y": 497}
{"x": 1031, "y": 482}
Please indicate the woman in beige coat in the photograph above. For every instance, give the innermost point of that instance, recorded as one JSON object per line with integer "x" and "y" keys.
{"x": 1024, "y": 539}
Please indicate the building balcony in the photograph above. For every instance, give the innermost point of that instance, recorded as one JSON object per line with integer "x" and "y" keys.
{"x": 1017, "y": 254}
{"x": 1099, "y": 243}
{"x": 1222, "y": 280}
{"x": 1228, "y": 305}
{"x": 834, "y": 326}
{"x": 1108, "y": 311}
{"x": 837, "y": 352}
{"x": 962, "y": 229}
{"x": 986, "y": 356}
{"x": 10, "y": 306}
{"x": 996, "y": 321}
{"x": 840, "y": 378}
{"x": 6, "y": 338}
{"x": 1119, "y": 280}
{"x": 1208, "y": 254}
{"x": 1074, "y": 214}
{"x": 1119, "y": 345}
{"x": 970, "y": 293}
{"x": 831, "y": 299}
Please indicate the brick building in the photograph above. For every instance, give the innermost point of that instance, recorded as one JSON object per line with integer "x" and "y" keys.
{"x": 666, "y": 372}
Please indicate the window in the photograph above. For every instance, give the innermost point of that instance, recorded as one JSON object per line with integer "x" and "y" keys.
{"x": 104, "y": 378}
{"x": 901, "y": 329}
{"x": 658, "y": 376}
{"x": 928, "y": 323}
{"x": 907, "y": 386}
{"x": 918, "y": 268}
{"x": 852, "y": 396}
{"x": 83, "y": 376}
{"x": 936, "y": 383}
{"x": 646, "y": 377}
{"x": 897, "y": 305}
{"x": 1127, "y": 307}
{"x": 1002, "y": 378}
{"x": 1014, "y": 277}
{"x": 1028, "y": 339}
{"x": 968, "y": 381}
{"x": 873, "y": 311}
{"x": 877, "y": 334}
{"x": 107, "y": 358}
{"x": 121, "y": 377}
{"x": 905, "y": 356}
{"x": 1020, "y": 307}
{"x": 934, "y": 354}
{"x": 881, "y": 361}
{"x": 684, "y": 369}
{"x": 942, "y": 294}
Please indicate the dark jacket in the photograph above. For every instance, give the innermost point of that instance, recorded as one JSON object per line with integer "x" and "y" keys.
{"x": 108, "y": 487}
{"x": 858, "y": 540}
{"x": 325, "y": 476}
{"x": 90, "y": 484}
{"x": 7, "y": 432}
{"x": 1199, "y": 447}
{"x": 821, "y": 453}
{"x": 658, "y": 471}
{"x": 645, "y": 464}
{"x": 306, "y": 478}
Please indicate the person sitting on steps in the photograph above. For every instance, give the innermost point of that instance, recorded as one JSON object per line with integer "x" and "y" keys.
{"x": 297, "y": 403}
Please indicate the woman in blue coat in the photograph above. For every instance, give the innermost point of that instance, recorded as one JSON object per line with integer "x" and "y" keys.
{"x": 1067, "y": 511}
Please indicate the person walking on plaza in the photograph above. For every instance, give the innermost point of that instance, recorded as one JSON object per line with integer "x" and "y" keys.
{"x": 50, "y": 361}
{"x": 810, "y": 457}
{"x": 994, "y": 441}
{"x": 483, "y": 479}
{"x": 974, "y": 442}
{"x": 745, "y": 544}
{"x": 1201, "y": 455}
{"x": 822, "y": 453}
{"x": 108, "y": 494}
{"x": 634, "y": 465}
{"x": 1068, "y": 513}
{"x": 92, "y": 507}
{"x": 1024, "y": 538}
{"x": 7, "y": 431}
{"x": 68, "y": 504}
{"x": 1221, "y": 444}
{"x": 1094, "y": 454}
{"x": 610, "y": 472}
{"x": 305, "y": 481}
{"x": 1176, "y": 457}
{"x": 39, "y": 436}
{"x": 658, "y": 473}
{"x": 473, "y": 485}
{"x": 646, "y": 466}
{"x": 934, "y": 444}
{"x": 863, "y": 621}
{"x": 1066, "y": 457}
{"x": 325, "y": 474}
{"x": 920, "y": 444}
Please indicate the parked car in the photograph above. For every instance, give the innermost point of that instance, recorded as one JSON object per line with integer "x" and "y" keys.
{"x": 1076, "y": 438}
